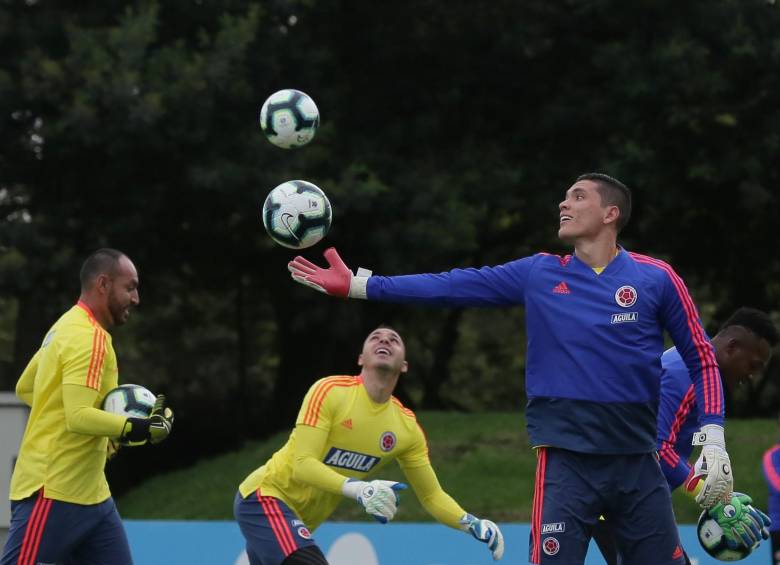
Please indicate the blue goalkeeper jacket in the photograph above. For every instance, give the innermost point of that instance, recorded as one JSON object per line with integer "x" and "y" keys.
{"x": 593, "y": 364}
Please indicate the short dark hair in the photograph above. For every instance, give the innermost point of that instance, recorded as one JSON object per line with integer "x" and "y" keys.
{"x": 757, "y": 322}
{"x": 102, "y": 261}
{"x": 384, "y": 326}
{"x": 613, "y": 193}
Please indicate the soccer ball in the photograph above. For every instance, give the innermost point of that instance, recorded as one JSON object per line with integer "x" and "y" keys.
{"x": 296, "y": 214}
{"x": 714, "y": 543}
{"x": 129, "y": 400}
{"x": 289, "y": 118}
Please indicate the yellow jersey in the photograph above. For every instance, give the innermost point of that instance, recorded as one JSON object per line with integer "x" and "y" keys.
{"x": 342, "y": 433}
{"x": 68, "y": 464}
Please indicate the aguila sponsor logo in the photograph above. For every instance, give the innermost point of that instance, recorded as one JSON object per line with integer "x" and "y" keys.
{"x": 350, "y": 460}
{"x": 554, "y": 528}
{"x": 624, "y": 317}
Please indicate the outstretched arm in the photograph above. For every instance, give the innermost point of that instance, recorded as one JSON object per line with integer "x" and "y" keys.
{"x": 488, "y": 286}
{"x": 444, "y": 509}
{"x": 436, "y": 502}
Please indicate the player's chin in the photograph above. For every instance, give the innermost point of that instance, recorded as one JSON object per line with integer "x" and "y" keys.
{"x": 124, "y": 315}
{"x": 565, "y": 235}
{"x": 385, "y": 364}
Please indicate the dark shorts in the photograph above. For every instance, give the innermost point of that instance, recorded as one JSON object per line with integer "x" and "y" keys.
{"x": 271, "y": 529}
{"x": 51, "y": 531}
{"x": 775, "y": 539}
{"x": 573, "y": 489}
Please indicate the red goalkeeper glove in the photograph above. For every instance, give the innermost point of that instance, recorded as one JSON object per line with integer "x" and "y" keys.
{"x": 336, "y": 280}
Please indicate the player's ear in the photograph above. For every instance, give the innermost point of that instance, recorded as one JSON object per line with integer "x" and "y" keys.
{"x": 360, "y": 360}
{"x": 612, "y": 214}
{"x": 733, "y": 345}
{"x": 103, "y": 283}
{"x": 405, "y": 367}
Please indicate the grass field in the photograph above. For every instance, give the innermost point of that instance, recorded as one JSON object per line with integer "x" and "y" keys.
{"x": 482, "y": 460}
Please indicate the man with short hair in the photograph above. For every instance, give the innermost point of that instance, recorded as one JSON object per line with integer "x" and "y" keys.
{"x": 595, "y": 321}
{"x": 348, "y": 429}
{"x": 61, "y": 505}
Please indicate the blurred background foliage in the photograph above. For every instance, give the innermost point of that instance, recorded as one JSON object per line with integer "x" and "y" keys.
{"x": 450, "y": 132}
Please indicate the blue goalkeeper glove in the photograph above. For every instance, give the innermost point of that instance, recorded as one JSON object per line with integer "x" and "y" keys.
{"x": 379, "y": 498}
{"x": 742, "y": 524}
{"x": 485, "y": 531}
{"x": 153, "y": 429}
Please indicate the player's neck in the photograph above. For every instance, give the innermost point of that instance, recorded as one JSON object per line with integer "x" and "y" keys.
{"x": 95, "y": 308}
{"x": 596, "y": 252}
{"x": 379, "y": 384}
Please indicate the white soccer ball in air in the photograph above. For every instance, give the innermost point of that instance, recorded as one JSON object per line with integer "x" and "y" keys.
{"x": 297, "y": 214}
{"x": 289, "y": 118}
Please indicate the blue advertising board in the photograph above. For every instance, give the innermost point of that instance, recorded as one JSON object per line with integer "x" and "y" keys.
{"x": 350, "y": 543}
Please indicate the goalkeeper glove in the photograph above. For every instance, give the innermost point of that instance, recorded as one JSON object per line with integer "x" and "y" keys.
{"x": 741, "y": 523}
{"x": 713, "y": 465}
{"x": 485, "y": 531}
{"x": 153, "y": 429}
{"x": 379, "y": 498}
{"x": 336, "y": 280}
{"x": 761, "y": 521}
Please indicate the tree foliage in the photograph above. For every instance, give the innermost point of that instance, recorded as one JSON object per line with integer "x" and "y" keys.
{"x": 449, "y": 134}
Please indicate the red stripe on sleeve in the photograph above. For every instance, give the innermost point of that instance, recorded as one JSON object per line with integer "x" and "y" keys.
{"x": 770, "y": 470}
{"x": 710, "y": 375}
{"x": 667, "y": 452}
{"x": 98, "y": 377}
{"x": 96, "y": 360}
{"x": 315, "y": 404}
{"x": 93, "y": 356}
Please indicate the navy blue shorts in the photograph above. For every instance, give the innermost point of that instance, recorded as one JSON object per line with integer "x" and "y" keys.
{"x": 52, "y": 531}
{"x": 271, "y": 528}
{"x": 573, "y": 489}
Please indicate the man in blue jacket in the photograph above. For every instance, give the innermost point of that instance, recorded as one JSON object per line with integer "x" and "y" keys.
{"x": 595, "y": 321}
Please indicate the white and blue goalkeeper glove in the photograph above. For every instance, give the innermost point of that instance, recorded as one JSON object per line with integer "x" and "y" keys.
{"x": 485, "y": 531}
{"x": 379, "y": 498}
{"x": 713, "y": 466}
